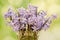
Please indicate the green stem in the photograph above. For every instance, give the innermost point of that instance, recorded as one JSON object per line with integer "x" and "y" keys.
{"x": 27, "y": 34}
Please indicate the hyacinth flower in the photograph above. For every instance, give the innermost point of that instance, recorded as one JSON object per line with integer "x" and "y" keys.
{"x": 28, "y": 22}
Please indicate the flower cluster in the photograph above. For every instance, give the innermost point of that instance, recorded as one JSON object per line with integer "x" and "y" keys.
{"x": 28, "y": 19}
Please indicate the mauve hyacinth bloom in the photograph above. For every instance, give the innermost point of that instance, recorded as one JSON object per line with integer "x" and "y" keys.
{"x": 28, "y": 19}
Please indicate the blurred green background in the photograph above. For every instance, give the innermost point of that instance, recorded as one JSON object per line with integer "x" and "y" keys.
{"x": 51, "y": 6}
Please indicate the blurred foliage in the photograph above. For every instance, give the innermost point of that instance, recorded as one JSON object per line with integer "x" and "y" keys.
{"x": 51, "y": 6}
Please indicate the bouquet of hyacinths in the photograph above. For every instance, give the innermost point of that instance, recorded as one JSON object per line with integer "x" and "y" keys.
{"x": 28, "y": 22}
